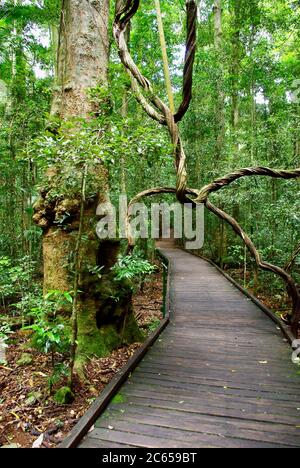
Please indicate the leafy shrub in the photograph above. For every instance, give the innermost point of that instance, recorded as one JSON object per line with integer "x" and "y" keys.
{"x": 60, "y": 371}
{"x": 50, "y": 337}
{"x": 133, "y": 268}
{"x": 16, "y": 280}
{"x": 33, "y": 305}
{"x": 153, "y": 325}
{"x": 50, "y": 332}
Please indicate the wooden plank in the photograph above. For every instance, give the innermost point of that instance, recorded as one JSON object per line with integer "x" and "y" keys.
{"x": 86, "y": 422}
{"x": 212, "y": 398}
{"x": 91, "y": 443}
{"x": 208, "y": 425}
{"x": 205, "y": 408}
{"x": 228, "y": 374}
{"x": 286, "y": 331}
{"x": 198, "y": 389}
{"x": 184, "y": 393}
{"x": 234, "y": 380}
{"x": 261, "y": 372}
{"x": 183, "y": 358}
{"x": 191, "y": 438}
{"x": 139, "y": 440}
{"x": 260, "y": 409}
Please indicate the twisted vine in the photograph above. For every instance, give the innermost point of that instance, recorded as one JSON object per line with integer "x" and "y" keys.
{"x": 142, "y": 87}
{"x": 218, "y": 184}
{"x": 159, "y": 111}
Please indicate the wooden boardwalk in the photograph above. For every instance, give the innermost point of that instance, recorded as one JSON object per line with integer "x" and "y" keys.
{"x": 219, "y": 376}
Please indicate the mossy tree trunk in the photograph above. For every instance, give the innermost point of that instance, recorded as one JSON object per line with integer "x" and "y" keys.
{"x": 105, "y": 315}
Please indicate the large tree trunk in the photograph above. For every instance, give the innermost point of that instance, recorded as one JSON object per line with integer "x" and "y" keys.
{"x": 82, "y": 59}
{"x": 104, "y": 322}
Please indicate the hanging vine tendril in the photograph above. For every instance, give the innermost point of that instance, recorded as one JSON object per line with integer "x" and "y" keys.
{"x": 159, "y": 111}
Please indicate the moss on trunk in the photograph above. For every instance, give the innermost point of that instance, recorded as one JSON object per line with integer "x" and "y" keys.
{"x": 105, "y": 319}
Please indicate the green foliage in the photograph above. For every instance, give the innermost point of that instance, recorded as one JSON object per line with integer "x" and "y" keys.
{"x": 5, "y": 332}
{"x": 50, "y": 336}
{"x": 34, "y": 305}
{"x": 260, "y": 70}
{"x": 16, "y": 279}
{"x": 60, "y": 372}
{"x": 59, "y": 298}
{"x": 132, "y": 268}
{"x": 135, "y": 151}
{"x": 51, "y": 333}
{"x": 153, "y": 325}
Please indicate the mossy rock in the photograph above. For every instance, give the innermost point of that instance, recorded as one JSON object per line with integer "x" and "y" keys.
{"x": 64, "y": 396}
{"x": 25, "y": 360}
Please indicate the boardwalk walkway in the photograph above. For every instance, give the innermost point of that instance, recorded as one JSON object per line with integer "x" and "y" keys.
{"x": 220, "y": 375}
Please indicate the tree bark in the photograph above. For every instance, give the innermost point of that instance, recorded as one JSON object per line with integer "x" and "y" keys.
{"x": 220, "y": 104}
{"x": 103, "y": 304}
{"x": 235, "y": 64}
{"x": 163, "y": 46}
{"x": 82, "y": 59}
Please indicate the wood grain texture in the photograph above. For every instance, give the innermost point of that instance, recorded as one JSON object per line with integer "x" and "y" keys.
{"x": 220, "y": 375}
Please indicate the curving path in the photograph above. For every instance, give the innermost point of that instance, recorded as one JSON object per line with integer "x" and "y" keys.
{"x": 219, "y": 376}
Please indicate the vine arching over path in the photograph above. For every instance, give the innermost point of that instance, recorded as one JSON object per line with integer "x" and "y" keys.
{"x": 160, "y": 112}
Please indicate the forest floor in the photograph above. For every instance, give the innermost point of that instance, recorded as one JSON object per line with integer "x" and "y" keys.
{"x": 43, "y": 422}
{"x": 279, "y": 303}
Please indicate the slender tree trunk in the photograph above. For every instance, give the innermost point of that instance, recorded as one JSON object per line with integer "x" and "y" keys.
{"x": 163, "y": 46}
{"x": 220, "y": 109}
{"x": 220, "y": 104}
{"x": 124, "y": 109}
{"x": 235, "y": 64}
{"x": 54, "y": 37}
